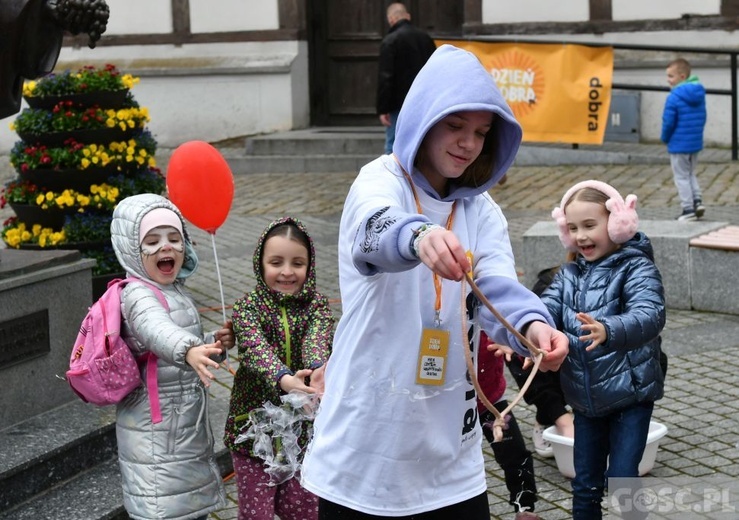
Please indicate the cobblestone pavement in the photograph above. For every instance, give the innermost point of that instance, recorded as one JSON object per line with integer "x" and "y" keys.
{"x": 701, "y": 405}
{"x": 700, "y": 408}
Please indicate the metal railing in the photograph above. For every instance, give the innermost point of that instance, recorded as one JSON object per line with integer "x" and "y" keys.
{"x": 732, "y": 54}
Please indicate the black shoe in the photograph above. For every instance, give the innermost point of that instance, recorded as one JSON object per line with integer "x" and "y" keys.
{"x": 687, "y": 215}
{"x": 699, "y": 208}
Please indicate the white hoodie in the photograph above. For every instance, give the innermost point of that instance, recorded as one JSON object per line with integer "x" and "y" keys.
{"x": 383, "y": 444}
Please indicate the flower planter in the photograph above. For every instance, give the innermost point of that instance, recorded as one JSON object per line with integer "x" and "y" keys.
{"x": 74, "y": 179}
{"x": 86, "y": 136}
{"x": 98, "y": 250}
{"x": 56, "y": 171}
{"x": 31, "y": 214}
{"x": 94, "y": 245}
{"x": 104, "y": 99}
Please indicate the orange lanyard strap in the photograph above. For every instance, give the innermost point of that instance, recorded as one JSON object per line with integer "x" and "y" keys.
{"x": 449, "y": 223}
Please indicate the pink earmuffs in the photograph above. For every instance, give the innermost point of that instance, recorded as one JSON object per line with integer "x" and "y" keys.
{"x": 623, "y": 221}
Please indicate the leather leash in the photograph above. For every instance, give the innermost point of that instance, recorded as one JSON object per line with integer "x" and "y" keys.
{"x": 537, "y": 354}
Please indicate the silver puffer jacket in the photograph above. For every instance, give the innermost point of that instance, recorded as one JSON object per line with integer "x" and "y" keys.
{"x": 168, "y": 469}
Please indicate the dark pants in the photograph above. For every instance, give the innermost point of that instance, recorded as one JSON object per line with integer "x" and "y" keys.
{"x": 622, "y": 436}
{"x": 476, "y": 508}
{"x": 514, "y": 459}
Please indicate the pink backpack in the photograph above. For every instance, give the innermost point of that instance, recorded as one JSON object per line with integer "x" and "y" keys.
{"x": 102, "y": 369}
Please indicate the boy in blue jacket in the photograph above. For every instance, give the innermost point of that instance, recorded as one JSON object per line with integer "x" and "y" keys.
{"x": 683, "y": 120}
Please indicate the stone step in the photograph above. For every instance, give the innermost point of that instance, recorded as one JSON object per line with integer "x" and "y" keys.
{"x": 297, "y": 163}
{"x": 319, "y": 141}
{"x": 240, "y": 163}
{"x": 341, "y": 149}
{"x": 94, "y": 494}
{"x": 63, "y": 463}
{"x": 52, "y": 447}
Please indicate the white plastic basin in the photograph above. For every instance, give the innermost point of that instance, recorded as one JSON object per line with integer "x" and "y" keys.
{"x": 562, "y": 447}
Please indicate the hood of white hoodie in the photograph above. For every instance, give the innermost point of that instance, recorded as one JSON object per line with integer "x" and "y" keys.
{"x": 453, "y": 80}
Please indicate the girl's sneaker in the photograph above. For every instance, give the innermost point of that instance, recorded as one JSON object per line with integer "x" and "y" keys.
{"x": 542, "y": 447}
{"x": 699, "y": 208}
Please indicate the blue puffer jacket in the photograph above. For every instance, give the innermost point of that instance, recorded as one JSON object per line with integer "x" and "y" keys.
{"x": 624, "y": 292}
{"x": 684, "y": 117}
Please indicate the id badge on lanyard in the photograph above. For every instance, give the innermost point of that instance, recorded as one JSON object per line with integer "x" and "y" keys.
{"x": 434, "y": 349}
{"x": 432, "y": 356}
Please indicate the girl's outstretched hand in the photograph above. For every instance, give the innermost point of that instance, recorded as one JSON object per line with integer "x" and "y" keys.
{"x": 289, "y": 383}
{"x": 501, "y": 350}
{"x": 597, "y": 331}
{"x": 551, "y": 341}
{"x": 226, "y": 336}
{"x": 317, "y": 379}
{"x": 441, "y": 251}
{"x": 199, "y": 359}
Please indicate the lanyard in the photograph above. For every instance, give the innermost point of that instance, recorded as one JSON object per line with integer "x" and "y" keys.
{"x": 449, "y": 222}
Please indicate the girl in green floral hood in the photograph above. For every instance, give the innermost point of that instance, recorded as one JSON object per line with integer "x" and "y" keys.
{"x": 283, "y": 329}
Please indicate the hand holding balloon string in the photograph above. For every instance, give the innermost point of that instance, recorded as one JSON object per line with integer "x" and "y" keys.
{"x": 198, "y": 173}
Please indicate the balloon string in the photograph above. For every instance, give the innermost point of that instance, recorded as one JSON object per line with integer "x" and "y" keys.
{"x": 218, "y": 273}
{"x": 220, "y": 286}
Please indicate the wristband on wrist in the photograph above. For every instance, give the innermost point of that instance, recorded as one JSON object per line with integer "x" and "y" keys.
{"x": 421, "y": 232}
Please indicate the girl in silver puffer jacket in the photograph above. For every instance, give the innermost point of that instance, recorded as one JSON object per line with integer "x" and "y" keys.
{"x": 167, "y": 459}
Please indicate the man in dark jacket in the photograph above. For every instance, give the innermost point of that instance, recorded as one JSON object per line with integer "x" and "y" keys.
{"x": 403, "y": 52}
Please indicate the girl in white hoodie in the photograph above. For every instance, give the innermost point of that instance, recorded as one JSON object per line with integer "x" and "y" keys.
{"x": 397, "y": 434}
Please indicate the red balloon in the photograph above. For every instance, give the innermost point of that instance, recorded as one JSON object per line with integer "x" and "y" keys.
{"x": 200, "y": 184}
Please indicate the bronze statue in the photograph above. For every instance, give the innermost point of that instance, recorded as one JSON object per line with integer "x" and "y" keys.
{"x": 31, "y": 37}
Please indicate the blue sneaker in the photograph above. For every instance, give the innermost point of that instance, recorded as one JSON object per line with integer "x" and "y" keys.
{"x": 687, "y": 215}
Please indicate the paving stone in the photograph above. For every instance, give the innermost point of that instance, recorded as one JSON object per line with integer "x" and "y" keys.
{"x": 693, "y": 383}
{"x": 703, "y": 378}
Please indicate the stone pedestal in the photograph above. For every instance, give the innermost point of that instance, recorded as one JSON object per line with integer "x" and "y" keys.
{"x": 43, "y": 297}
{"x": 672, "y": 255}
{"x": 713, "y": 273}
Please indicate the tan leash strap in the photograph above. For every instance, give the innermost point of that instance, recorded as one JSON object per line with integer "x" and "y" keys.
{"x": 537, "y": 354}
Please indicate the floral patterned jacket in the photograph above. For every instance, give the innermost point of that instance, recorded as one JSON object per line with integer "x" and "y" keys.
{"x": 276, "y": 334}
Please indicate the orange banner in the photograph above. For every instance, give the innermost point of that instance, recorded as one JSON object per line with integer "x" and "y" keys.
{"x": 558, "y": 93}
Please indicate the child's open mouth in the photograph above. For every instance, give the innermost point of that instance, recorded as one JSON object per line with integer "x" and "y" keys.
{"x": 166, "y": 265}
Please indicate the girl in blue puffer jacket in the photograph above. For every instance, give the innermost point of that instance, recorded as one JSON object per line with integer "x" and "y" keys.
{"x": 609, "y": 301}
